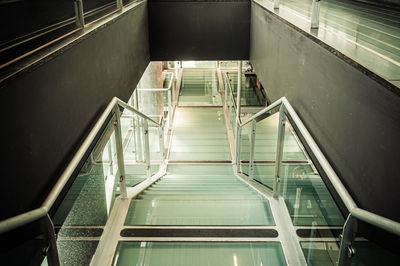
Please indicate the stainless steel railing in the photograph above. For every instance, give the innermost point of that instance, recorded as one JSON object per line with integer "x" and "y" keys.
{"x": 113, "y": 110}
{"x": 355, "y": 213}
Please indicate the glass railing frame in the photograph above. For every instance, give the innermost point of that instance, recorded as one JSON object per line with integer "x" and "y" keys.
{"x": 355, "y": 212}
{"x": 170, "y": 107}
{"x": 113, "y": 110}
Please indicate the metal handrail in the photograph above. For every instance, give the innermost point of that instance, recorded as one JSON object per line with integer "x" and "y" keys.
{"x": 286, "y": 110}
{"x": 38, "y": 213}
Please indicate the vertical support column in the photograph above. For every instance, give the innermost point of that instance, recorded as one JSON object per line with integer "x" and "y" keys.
{"x": 238, "y": 105}
{"x": 238, "y": 93}
{"x": 147, "y": 147}
{"x": 79, "y": 17}
{"x": 226, "y": 91}
{"x": 312, "y": 235}
{"x": 347, "y": 238}
{"x": 120, "y": 152}
{"x": 237, "y": 147}
{"x": 169, "y": 108}
{"x": 50, "y": 237}
{"x": 161, "y": 140}
{"x": 120, "y": 4}
{"x": 276, "y": 4}
{"x": 230, "y": 111}
{"x": 315, "y": 14}
{"x": 252, "y": 145}
{"x": 138, "y": 144}
{"x": 279, "y": 149}
{"x": 110, "y": 157}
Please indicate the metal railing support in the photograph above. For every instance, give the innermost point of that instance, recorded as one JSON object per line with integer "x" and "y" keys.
{"x": 347, "y": 238}
{"x": 226, "y": 91}
{"x": 252, "y": 145}
{"x": 110, "y": 156}
{"x": 315, "y": 14}
{"x": 147, "y": 147}
{"x": 279, "y": 150}
{"x": 161, "y": 140}
{"x": 79, "y": 17}
{"x": 50, "y": 237}
{"x": 120, "y": 4}
{"x": 238, "y": 94}
{"x": 120, "y": 153}
{"x": 237, "y": 147}
{"x": 276, "y": 4}
{"x": 169, "y": 108}
{"x": 230, "y": 111}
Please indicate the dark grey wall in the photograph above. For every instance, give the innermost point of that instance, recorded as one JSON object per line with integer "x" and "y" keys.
{"x": 47, "y": 112}
{"x": 355, "y": 120}
{"x": 199, "y": 30}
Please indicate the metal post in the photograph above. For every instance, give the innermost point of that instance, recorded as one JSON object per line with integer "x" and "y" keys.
{"x": 226, "y": 91}
{"x": 312, "y": 235}
{"x": 237, "y": 147}
{"x": 120, "y": 4}
{"x": 238, "y": 93}
{"x": 276, "y": 4}
{"x": 161, "y": 140}
{"x": 279, "y": 149}
{"x": 110, "y": 157}
{"x": 50, "y": 237}
{"x": 252, "y": 145}
{"x": 120, "y": 153}
{"x": 139, "y": 134}
{"x": 230, "y": 111}
{"x": 347, "y": 238}
{"x": 79, "y": 17}
{"x": 315, "y": 14}
{"x": 147, "y": 147}
{"x": 169, "y": 109}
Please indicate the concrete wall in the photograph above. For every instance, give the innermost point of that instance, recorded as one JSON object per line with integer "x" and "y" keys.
{"x": 48, "y": 111}
{"x": 199, "y": 30}
{"x": 354, "y": 119}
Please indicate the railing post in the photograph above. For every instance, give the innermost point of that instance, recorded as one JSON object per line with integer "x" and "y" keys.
{"x": 120, "y": 152}
{"x": 252, "y": 145}
{"x": 237, "y": 147}
{"x": 79, "y": 17}
{"x": 147, "y": 147}
{"x": 110, "y": 157}
{"x": 347, "y": 238}
{"x": 230, "y": 111}
{"x": 120, "y": 4}
{"x": 169, "y": 108}
{"x": 279, "y": 149}
{"x": 161, "y": 140}
{"x": 315, "y": 14}
{"x": 276, "y": 4}
{"x": 226, "y": 90}
{"x": 238, "y": 93}
{"x": 50, "y": 235}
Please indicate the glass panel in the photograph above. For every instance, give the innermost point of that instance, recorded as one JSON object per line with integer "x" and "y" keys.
{"x": 87, "y": 205}
{"x": 199, "y": 253}
{"x": 199, "y": 195}
{"x": 307, "y": 198}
